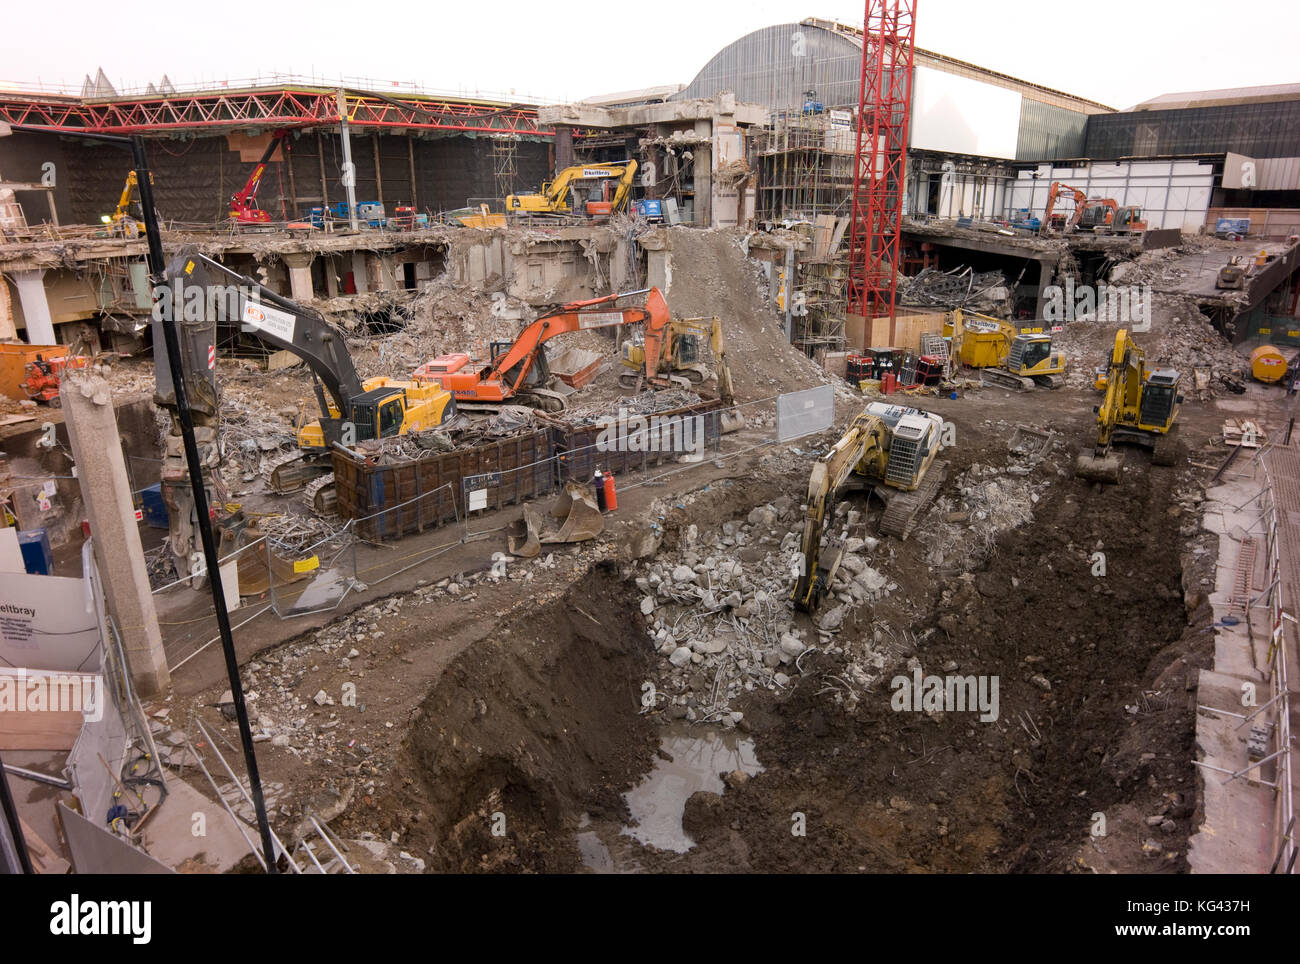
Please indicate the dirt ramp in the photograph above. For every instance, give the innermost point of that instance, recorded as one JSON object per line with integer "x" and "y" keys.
{"x": 524, "y": 733}
{"x": 712, "y": 276}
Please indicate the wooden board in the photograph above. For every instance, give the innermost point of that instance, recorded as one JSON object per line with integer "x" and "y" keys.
{"x": 35, "y": 730}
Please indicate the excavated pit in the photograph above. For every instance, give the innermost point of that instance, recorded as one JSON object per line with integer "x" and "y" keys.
{"x": 532, "y": 753}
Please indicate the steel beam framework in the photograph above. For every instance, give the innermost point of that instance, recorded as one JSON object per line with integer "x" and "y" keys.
{"x": 266, "y": 107}
{"x": 884, "y": 101}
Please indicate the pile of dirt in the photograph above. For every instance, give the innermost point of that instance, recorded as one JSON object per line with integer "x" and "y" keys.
{"x": 711, "y": 276}
{"x": 526, "y": 731}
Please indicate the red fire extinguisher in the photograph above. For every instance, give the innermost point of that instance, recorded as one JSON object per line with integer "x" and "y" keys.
{"x": 611, "y": 497}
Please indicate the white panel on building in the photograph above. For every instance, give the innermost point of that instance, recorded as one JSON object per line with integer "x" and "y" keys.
{"x": 960, "y": 115}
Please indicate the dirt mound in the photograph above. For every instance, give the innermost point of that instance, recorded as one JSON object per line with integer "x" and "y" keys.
{"x": 712, "y": 276}
{"x": 523, "y": 733}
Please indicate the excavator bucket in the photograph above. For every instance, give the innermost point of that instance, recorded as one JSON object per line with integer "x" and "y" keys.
{"x": 582, "y": 519}
{"x": 1098, "y": 468}
{"x": 524, "y": 538}
{"x": 730, "y": 420}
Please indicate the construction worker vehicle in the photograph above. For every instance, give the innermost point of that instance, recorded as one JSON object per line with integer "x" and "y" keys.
{"x": 1233, "y": 275}
{"x": 584, "y": 190}
{"x": 1140, "y": 406}
{"x": 1099, "y": 215}
{"x": 888, "y": 451}
{"x": 517, "y": 371}
{"x": 121, "y": 223}
{"x": 679, "y": 365}
{"x": 353, "y": 410}
{"x": 243, "y": 203}
{"x": 1005, "y": 356}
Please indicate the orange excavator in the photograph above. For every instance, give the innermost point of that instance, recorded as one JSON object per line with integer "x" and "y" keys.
{"x": 1053, "y": 195}
{"x": 518, "y": 372}
{"x": 1099, "y": 215}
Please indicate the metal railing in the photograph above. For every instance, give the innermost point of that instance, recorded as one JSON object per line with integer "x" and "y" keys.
{"x": 1284, "y": 806}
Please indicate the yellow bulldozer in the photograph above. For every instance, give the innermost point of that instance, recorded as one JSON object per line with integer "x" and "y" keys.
{"x": 1140, "y": 406}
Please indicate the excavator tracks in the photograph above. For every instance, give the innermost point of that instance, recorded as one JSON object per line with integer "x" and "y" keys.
{"x": 1001, "y": 378}
{"x": 293, "y": 471}
{"x": 322, "y": 496}
{"x": 903, "y": 509}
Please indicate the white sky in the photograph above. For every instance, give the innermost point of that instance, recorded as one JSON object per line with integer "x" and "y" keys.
{"x": 1118, "y": 52}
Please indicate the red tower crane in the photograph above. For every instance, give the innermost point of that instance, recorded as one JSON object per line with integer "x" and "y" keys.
{"x": 884, "y": 106}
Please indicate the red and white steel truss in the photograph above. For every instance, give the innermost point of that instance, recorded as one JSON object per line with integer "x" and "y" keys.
{"x": 265, "y": 107}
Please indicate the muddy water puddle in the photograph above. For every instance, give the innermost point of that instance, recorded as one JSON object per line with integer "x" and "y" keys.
{"x": 699, "y": 758}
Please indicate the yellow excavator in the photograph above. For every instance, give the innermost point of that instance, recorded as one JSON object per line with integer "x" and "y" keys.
{"x": 888, "y": 450}
{"x": 598, "y": 191}
{"x": 1006, "y": 357}
{"x": 1140, "y": 406}
{"x": 351, "y": 410}
{"x": 120, "y": 223}
{"x": 678, "y": 363}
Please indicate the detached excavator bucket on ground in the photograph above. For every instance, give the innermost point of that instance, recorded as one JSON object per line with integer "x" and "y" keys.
{"x": 578, "y": 516}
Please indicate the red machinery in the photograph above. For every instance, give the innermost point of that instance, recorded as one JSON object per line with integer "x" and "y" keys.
{"x": 42, "y": 382}
{"x": 518, "y": 369}
{"x": 243, "y": 205}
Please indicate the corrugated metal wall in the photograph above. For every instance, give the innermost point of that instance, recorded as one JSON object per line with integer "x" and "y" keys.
{"x": 1048, "y": 132}
{"x": 775, "y": 66}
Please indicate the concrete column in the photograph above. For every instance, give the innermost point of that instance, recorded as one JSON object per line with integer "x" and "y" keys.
{"x": 300, "y": 286}
{"x": 563, "y": 147}
{"x": 659, "y": 270}
{"x": 106, "y": 492}
{"x": 1046, "y": 268}
{"x": 379, "y": 273}
{"x": 704, "y": 174}
{"x": 8, "y": 324}
{"x": 331, "y": 277}
{"x": 360, "y": 277}
{"x": 36, "y": 308}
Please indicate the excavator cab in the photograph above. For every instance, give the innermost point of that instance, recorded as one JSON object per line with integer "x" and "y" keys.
{"x": 1160, "y": 400}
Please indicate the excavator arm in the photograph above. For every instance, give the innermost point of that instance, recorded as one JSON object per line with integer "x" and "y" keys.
{"x": 124, "y": 203}
{"x": 624, "y": 190}
{"x": 1054, "y": 195}
{"x": 1123, "y": 388}
{"x": 554, "y": 196}
{"x": 863, "y": 442}
{"x": 274, "y": 319}
{"x": 513, "y": 365}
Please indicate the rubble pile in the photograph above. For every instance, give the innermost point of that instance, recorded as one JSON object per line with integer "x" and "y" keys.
{"x": 720, "y": 611}
{"x": 253, "y": 435}
{"x": 984, "y": 502}
{"x": 1180, "y": 336}
{"x": 985, "y": 291}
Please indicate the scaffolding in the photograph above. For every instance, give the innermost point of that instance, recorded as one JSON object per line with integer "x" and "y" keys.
{"x": 805, "y": 164}
{"x": 505, "y": 154}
